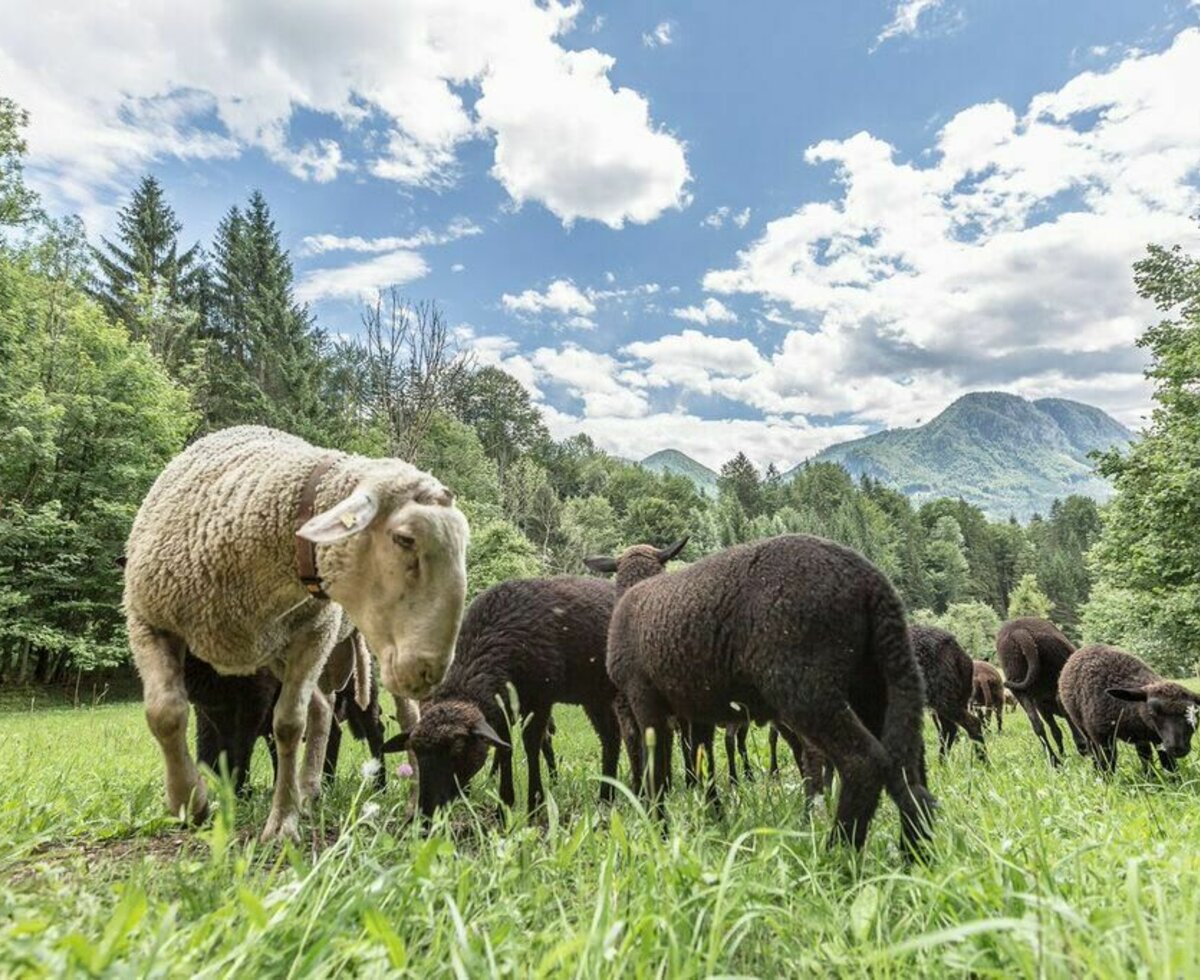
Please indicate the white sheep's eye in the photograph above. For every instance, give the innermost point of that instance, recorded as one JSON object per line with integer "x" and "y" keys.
{"x": 405, "y": 541}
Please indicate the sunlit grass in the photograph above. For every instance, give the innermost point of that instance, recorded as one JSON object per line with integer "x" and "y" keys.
{"x": 1032, "y": 873}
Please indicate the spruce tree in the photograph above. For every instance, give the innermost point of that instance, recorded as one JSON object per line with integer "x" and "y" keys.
{"x": 145, "y": 258}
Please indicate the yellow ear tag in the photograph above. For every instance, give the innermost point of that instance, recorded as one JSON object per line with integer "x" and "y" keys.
{"x": 349, "y": 520}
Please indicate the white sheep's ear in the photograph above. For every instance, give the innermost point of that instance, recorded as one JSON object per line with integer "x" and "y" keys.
{"x": 1127, "y": 693}
{"x": 341, "y": 521}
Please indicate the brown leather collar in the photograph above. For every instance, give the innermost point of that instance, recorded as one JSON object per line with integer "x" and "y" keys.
{"x": 306, "y": 551}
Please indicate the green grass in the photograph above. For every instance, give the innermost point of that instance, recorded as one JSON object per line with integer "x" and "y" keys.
{"x": 1033, "y": 873}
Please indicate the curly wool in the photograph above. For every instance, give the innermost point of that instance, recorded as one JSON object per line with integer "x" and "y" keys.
{"x": 211, "y": 555}
{"x": 546, "y": 638}
{"x": 789, "y": 629}
{"x": 1032, "y": 653}
{"x": 948, "y": 673}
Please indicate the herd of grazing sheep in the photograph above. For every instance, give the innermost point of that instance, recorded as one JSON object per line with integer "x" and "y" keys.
{"x": 262, "y": 573}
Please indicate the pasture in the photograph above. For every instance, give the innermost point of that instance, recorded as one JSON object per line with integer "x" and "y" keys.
{"x": 1032, "y": 872}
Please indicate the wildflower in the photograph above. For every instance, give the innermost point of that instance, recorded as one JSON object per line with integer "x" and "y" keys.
{"x": 370, "y": 810}
{"x": 370, "y": 769}
{"x": 404, "y": 771}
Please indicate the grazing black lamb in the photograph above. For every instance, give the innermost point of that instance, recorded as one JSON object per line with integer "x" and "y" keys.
{"x": 988, "y": 693}
{"x": 545, "y": 637}
{"x": 948, "y": 673}
{"x": 793, "y": 629}
{"x": 1032, "y": 653}
{"x": 1112, "y": 696}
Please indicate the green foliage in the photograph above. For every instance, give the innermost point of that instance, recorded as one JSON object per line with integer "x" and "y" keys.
{"x": 498, "y": 552}
{"x": 87, "y": 419}
{"x": 17, "y": 202}
{"x": 739, "y": 479}
{"x": 973, "y": 623}
{"x": 1028, "y": 599}
{"x": 947, "y": 566}
{"x": 1148, "y": 555}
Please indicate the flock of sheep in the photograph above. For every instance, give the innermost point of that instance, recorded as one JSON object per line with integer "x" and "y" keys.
{"x": 263, "y": 572}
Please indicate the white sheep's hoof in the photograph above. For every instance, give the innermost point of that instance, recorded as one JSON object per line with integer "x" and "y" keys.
{"x": 190, "y": 805}
{"x": 281, "y": 826}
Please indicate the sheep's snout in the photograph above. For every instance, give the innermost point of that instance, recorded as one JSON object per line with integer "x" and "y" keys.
{"x": 412, "y": 675}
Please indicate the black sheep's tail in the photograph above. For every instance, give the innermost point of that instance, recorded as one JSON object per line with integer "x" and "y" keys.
{"x": 1033, "y": 661}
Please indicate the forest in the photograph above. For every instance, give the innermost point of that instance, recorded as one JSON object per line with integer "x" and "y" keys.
{"x": 116, "y": 352}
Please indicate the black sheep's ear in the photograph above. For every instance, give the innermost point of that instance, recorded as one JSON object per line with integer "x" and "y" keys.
{"x": 602, "y": 564}
{"x": 486, "y": 732}
{"x": 1126, "y": 693}
{"x": 666, "y": 554}
{"x": 397, "y": 743}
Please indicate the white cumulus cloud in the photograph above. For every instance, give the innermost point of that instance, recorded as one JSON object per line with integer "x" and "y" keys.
{"x": 712, "y": 311}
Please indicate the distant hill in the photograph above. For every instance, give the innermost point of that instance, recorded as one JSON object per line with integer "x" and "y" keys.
{"x": 1007, "y": 455}
{"x": 673, "y": 461}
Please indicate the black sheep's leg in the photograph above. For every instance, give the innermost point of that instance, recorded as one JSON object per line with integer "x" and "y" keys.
{"x": 1146, "y": 754}
{"x": 333, "y": 749}
{"x": 548, "y": 753}
{"x": 971, "y": 725}
{"x": 773, "y": 744}
{"x": 731, "y": 753}
{"x": 1052, "y": 725}
{"x": 1168, "y": 762}
{"x": 604, "y": 720}
{"x": 631, "y": 735}
{"x": 702, "y": 739}
{"x": 862, "y": 763}
{"x": 532, "y": 737}
{"x": 652, "y": 721}
{"x": 1035, "y": 722}
{"x": 999, "y": 713}
{"x": 947, "y": 733}
{"x": 687, "y": 745}
{"x": 508, "y": 793}
{"x": 1081, "y": 743}
{"x": 743, "y": 737}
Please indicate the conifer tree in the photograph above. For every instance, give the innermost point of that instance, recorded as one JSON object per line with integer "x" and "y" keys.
{"x": 145, "y": 258}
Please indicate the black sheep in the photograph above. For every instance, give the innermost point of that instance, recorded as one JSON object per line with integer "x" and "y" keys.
{"x": 545, "y": 637}
{"x": 1112, "y": 696}
{"x": 948, "y": 673}
{"x": 234, "y": 711}
{"x": 988, "y": 693}
{"x": 793, "y": 629}
{"x": 1032, "y": 653}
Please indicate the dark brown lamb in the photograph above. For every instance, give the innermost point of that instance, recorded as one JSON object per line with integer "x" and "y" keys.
{"x": 1032, "y": 653}
{"x": 988, "y": 694}
{"x": 948, "y": 673}
{"x": 793, "y": 629}
{"x": 545, "y": 637}
{"x": 1112, "y": 696}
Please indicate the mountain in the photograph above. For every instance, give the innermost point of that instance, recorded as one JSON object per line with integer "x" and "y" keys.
{"x": 1007, "y": 455}
{"x": 673, "y": 461}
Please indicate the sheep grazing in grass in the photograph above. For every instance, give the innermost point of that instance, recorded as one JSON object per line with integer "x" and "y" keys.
{"x": 546, "y": 638}
{"x": 948, "y": 674}
{"x": 1032, "y": 653}
{"x": 793, "y": 629}
{"x": 255, "y": 549}
{"x": 1112, "y": 696}
{"x": 988, "y": 693}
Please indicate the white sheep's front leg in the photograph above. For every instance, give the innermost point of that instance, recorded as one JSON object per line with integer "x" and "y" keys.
{"x": 320, "y": 717}
{"x": 159, "y": 660}
{"x": 301, "y": 669}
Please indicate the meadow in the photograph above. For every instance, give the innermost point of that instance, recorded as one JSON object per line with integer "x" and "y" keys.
{"x": 1032, "y": 873}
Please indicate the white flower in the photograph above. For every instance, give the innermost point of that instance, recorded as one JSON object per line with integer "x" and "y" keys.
{"x": 370, "y": 768}
{"x": 1192, "y": 713}
{"x": 370, "y": 810}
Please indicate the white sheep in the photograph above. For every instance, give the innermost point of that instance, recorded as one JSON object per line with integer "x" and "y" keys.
{"x": 212, "y": 567}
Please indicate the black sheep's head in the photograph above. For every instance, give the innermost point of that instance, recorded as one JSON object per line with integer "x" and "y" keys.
{"x": 1170, "y": 709}
{"x": 634, "y": 564}
{"x": 451, "y": 743}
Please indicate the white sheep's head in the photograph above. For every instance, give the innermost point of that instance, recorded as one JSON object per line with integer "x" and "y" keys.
{"x": 393, "y": 555}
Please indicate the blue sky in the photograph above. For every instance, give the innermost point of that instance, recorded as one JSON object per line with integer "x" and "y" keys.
{"x": 712, "y": 226}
